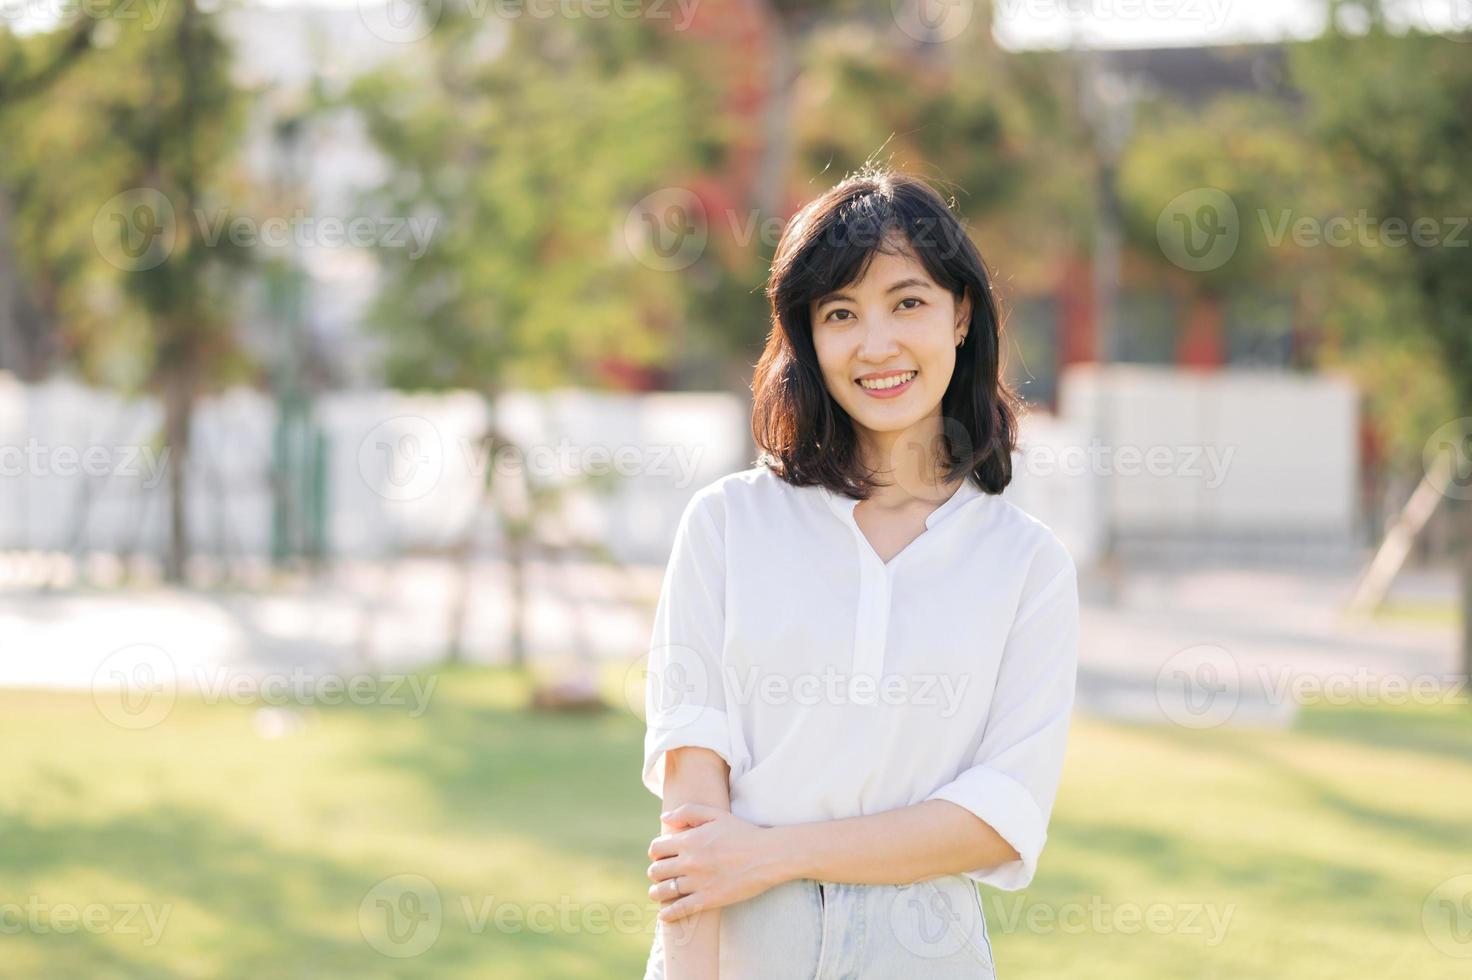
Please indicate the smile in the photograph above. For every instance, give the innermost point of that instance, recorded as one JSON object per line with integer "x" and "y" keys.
{"x": 887, "y": 387}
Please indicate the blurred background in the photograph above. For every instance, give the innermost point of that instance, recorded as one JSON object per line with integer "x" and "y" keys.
{"x": 358, "y": 359}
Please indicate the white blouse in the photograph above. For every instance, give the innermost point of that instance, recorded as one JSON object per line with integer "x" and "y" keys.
{"x": 837, "y": 685}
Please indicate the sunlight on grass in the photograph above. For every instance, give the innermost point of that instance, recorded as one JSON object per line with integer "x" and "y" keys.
{"x": 1439, "y": 614}
{"x": 1173, "y": 853}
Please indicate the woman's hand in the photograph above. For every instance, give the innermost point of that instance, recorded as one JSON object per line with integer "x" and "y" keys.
{"x": 719, "y": 858}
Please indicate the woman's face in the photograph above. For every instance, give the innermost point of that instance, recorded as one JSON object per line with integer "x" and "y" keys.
{"x": 893, "y": 324}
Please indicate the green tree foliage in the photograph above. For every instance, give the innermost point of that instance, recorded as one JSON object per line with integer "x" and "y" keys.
{"x": 119, "y": 131}
{"x": 526, "y": 142}
{"x": 1394, "y": 107}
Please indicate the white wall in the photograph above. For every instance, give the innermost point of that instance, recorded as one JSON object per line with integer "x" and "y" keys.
{"x": 1245, "y": 452}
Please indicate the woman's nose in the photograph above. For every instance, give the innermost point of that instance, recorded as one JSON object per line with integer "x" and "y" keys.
{"x": 878, "y": 340}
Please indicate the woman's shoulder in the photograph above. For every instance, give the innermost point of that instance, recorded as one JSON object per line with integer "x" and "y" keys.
{"x": 757, "y": 482}
{"x": 1048, "y": 554}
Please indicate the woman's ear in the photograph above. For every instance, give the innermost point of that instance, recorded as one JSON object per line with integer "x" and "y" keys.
{"x": 963, "y": 315}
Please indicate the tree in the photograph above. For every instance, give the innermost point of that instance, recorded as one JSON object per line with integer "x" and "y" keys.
{"x": 526, "y": 143}
{"x": 1393, "y": 106}
{"x": 1197, "y": 186}
{"x": 146, "y": 118}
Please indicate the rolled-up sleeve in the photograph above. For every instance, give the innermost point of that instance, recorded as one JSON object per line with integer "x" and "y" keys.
{"x": 1014, "y": 777}
{"x": 684, "y": 699}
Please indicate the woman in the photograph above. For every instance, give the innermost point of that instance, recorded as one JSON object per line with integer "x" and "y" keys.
{"x": 863, "y": 659}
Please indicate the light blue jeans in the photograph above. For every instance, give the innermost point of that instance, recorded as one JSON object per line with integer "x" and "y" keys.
{"x": 822, "y": 930}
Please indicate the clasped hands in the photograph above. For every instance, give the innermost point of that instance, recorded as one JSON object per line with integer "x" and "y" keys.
{"x": 718, "y": 858}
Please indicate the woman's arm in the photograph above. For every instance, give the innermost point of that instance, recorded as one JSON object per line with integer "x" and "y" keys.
{"x": 693, "y": 776}
{"x": 896, "y": 847}
{"x": 726, "y": 860}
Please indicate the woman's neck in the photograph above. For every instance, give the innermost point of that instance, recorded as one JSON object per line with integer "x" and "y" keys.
{"x": 907, "y": 465}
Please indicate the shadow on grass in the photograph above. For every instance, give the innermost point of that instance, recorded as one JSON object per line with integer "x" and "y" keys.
{"x": 1444, "y": 731}
{"x": 245, "y": 905}
{"x": 570, "y": 782}
{"x": 233, "y": 897}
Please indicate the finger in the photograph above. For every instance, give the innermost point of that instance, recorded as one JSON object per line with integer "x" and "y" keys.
{"x": 664, "y": 892}
{"x": 682, "y": 818}
{"x": 688, "y": 905}
{"x": 692, "y": 814}
{"x": 664, "y": 846}
{"x": 665, "y": 868}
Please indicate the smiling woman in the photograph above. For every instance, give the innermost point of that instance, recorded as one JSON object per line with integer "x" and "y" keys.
{"x": 877, "y": 279}
{"x": 863, "y": 660}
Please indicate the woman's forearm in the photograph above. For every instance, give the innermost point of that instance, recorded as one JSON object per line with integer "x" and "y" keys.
{"x": 896, "y": 847}
{"x": 692, "y": 944}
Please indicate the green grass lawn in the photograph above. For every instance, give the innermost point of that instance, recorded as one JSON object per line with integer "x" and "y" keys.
{"x": 1303, "y": 855}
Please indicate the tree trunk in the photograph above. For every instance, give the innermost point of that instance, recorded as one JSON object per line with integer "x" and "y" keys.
{"x": 1462, "y": 511}
{"x": 178, "y": 413}
{"x": 768, "y": 194}
{"x": 461, "y": 555}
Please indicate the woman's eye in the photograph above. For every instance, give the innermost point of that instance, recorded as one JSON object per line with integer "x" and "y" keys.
{"x": 911, "y": 299}
{"x": 834, "y": 314}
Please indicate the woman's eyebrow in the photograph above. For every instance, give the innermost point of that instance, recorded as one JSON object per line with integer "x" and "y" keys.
{"x": 902, "y": 284}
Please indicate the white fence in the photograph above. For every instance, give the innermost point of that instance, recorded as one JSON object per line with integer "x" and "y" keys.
{"x": 81, "y": 469}
{"x": 1149, "y": 453}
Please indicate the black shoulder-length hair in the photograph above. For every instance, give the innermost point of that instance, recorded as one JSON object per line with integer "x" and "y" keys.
{"x": 804, "y": 435}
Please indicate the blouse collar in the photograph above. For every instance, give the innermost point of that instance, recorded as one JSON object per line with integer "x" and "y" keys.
{"x": 843, "y": 505}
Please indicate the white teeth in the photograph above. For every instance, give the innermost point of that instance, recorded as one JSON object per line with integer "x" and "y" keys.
{"x": 889, "y": 382}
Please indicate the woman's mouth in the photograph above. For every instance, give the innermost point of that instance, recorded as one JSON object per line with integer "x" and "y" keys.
{"x": 889, "y": 386}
